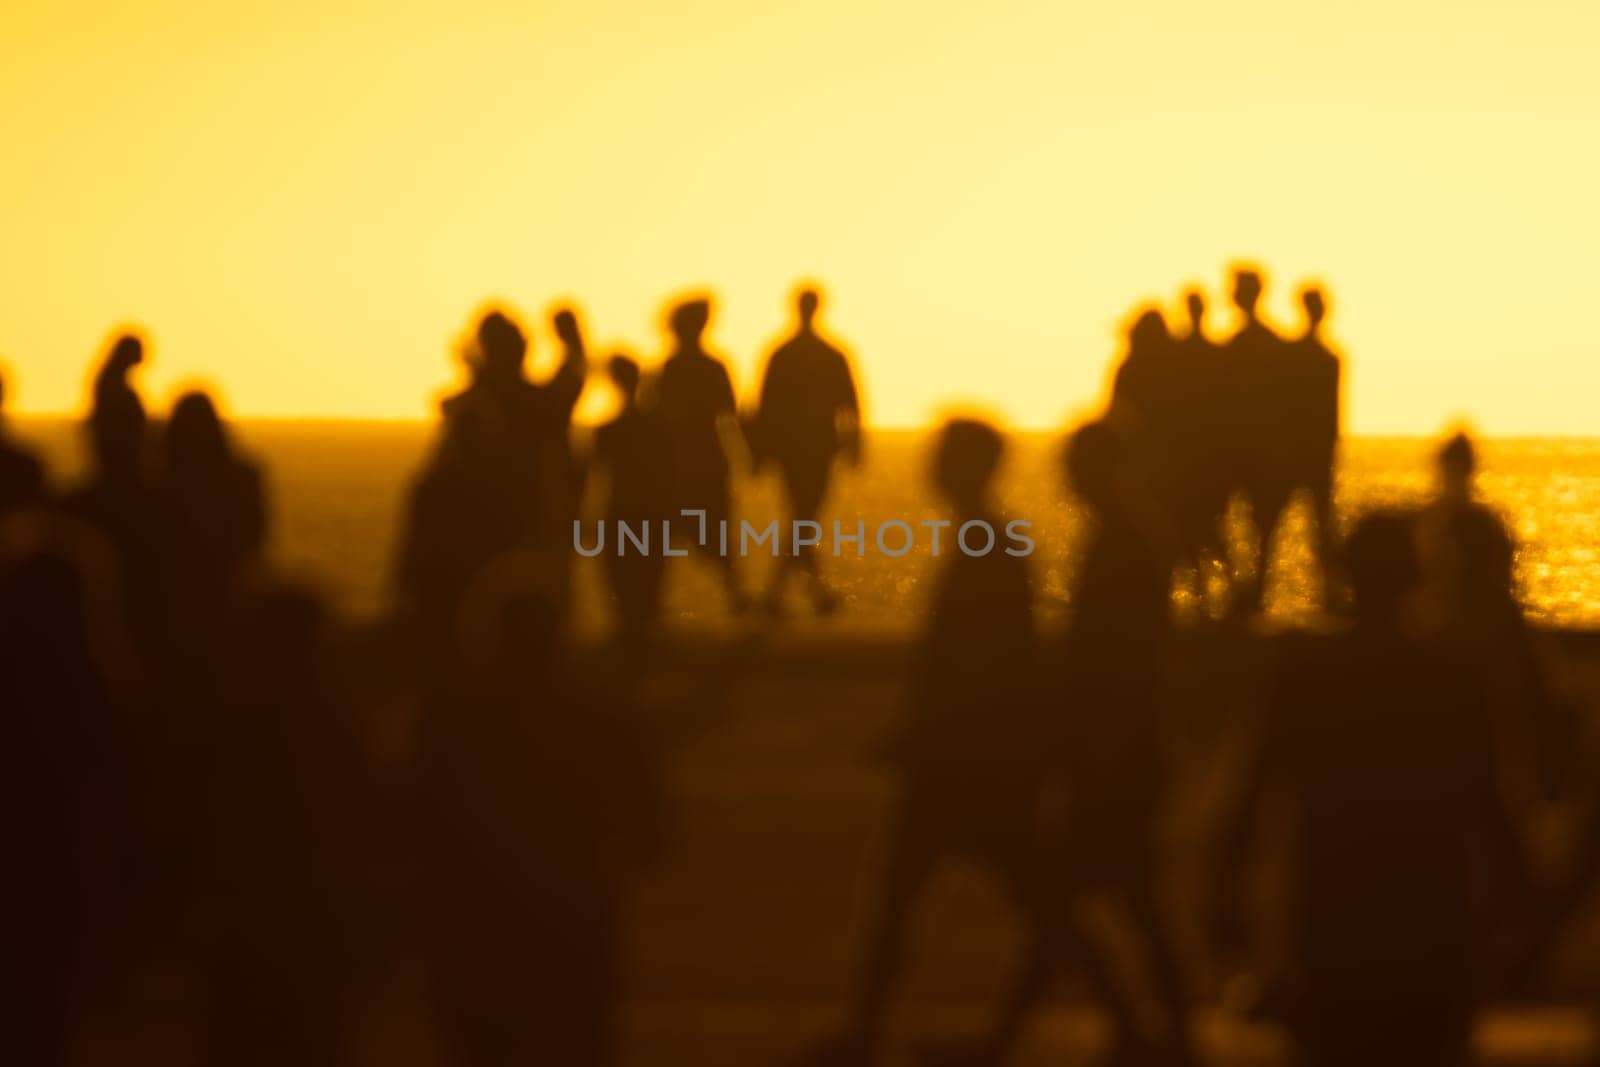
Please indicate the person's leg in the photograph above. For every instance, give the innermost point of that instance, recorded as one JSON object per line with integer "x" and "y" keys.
{"x": 1267, "y": 503}
{"x": 723, "y": 546}
{"x": 913, "y": 853}
{"x": 1053, "y": 943}
{"x": 635, "y": 582}
{"x": 808, "y": 487}
{"x": 786, "y": 560}
{"x": 1165, "y": 971}
{"x": 1326, "y": 540}
{"x": 1014, "y": 850}
{"x": 805, "y": 485}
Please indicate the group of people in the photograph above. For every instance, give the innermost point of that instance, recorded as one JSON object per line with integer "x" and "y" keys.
{"x": 1254, "y": 417}
{"x": 668, "y": 450}
{"x": 190, "y": 790}
{"x": 1389, "y": 740}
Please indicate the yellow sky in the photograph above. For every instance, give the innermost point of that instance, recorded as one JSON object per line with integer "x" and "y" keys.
{"x": 304, "y": 207}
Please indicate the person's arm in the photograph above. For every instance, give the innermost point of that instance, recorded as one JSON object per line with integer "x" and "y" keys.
{"x": 848, "y": 416}
{"x": 567, "y": 383}
{"x": 727, "y": 414}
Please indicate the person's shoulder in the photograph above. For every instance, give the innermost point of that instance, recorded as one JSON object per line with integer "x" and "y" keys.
{"x": 785, "y": 352}
{"x": 1484, "y": 516}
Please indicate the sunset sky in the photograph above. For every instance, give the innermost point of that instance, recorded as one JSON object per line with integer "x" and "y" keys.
{"x": 304, "y": 206}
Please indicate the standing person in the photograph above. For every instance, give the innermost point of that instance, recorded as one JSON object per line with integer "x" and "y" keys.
{"x": 967, "y": 750}
{"x": 1253, "y": 399}
{"x": 525, "y": 425}
{"x": 540, "y": 799}
{"x": 1471, "y": 605}
{"x": 694, "y": 397}
{"x": 1106, "y": 744}
{"x": 1201, "y": 498}
{"x": 460, "y": 517}
{"x": 21, "y": 476}
{"x": 1382, "y": 745}
{"x": 498, "y": 481}
{"x": 1312, "y": 425}
{"x": 634, "y": 452}
{"x": 1146, "y": 385}
{"x": 61, "y": 800}
{"x": 1110, "y": 748}
{"x": 809, "y": 413}
{"x": 214, "y": 508}
{"x": 562, "y": 392}
{"x": 284, "y": 812}
{"x": 117, "y": 499}
{"x": 1150, "y": 408}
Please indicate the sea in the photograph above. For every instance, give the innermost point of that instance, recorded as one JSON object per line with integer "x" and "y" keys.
{"x": 338, "y": 490}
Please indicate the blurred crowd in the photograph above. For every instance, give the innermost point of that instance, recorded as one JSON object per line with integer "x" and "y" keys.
{"x": 200, "y": 804}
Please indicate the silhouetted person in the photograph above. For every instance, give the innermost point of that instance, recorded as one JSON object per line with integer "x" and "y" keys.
{"x": 1382, "y": 746}
{"x": 1253, "y": 397}
{"x": 214, "y": 507}
{"x": 694, "y": 397}
{"x": 1200, "y": 499}
{"x": 1468, "y": 553}
{"x": 1471, "y": 606}
{"x": 539, "y": 799}
{"x": 283, "y": 811}
{"x": 119, "y": 502}
{"x": 61, "y": 796}
{"x": 809, "y": 413}
{"x": 117, "y": 498}
{"x": 1310, "y": 420}
{"x": 1147, "y": 381}
{"x": 213, "y": 524}
{"x": 636, "y": 455}
{"x": 524, "y": 424}
{"x": 1152, "y": 404}
{"x": 968, "y": 752}
{"x": 461, "y": 516}
{"x": 21, "y": 476}
{"x": 1109, "y": 746}
{"x": 500, "y": 480}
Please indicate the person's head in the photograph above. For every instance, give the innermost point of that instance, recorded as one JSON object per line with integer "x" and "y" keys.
{"x": 1381, "y": 558}
{"x": 1194, "y": 302}
{"x": 195, "y": 435}
{"x": 502, "y": 346}
{"x": 1316, "y": 306}
{"x": 1457, "y": 462}
{"x": 1247, "y": 290}
{"x": 806, "y": 305}
{"x": 624, "y": 374}
{"x": 117, "y": 418}
{"x": 965, "y": 460}
{"x": 127, "y": 352}
{"x": 688, "y": 321}
{"x": 1091, "y": 460}
{"x": 565, "y": 322}
{"x": 1149, "y": 332}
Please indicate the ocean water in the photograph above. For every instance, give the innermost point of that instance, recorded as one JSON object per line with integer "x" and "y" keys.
{"x": 339, "y": 488}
